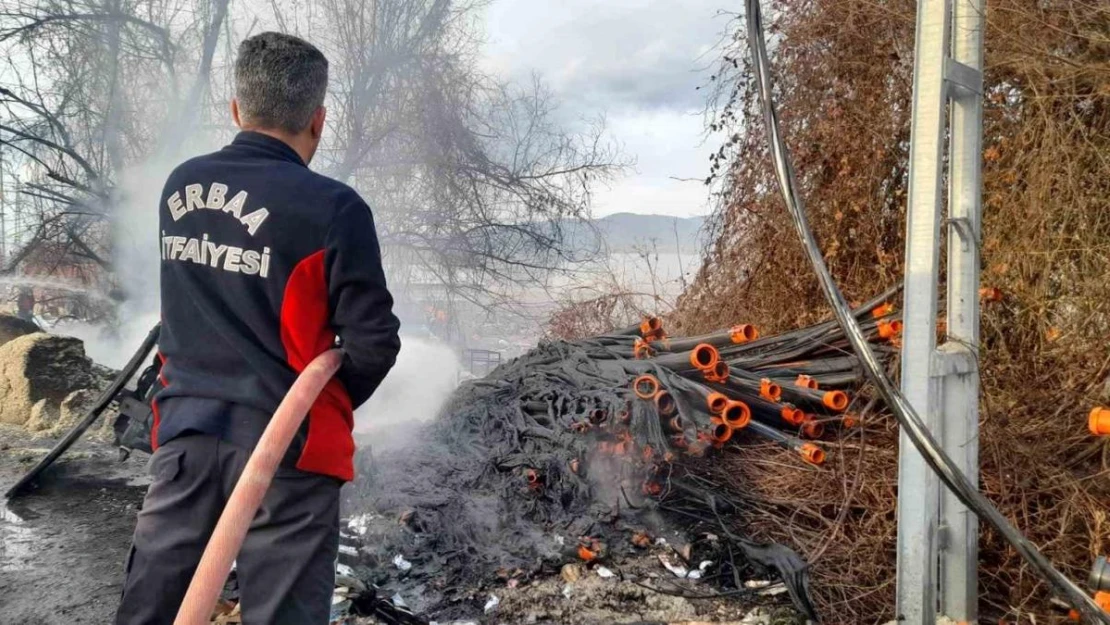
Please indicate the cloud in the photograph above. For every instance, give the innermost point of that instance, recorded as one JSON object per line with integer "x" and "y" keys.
{"x": 638, "y": 63}
{"x": 641, "y": 54}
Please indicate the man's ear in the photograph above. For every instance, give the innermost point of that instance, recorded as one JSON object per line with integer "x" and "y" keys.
{"x": 316, "y": 126}
{"x": 235, "y": 112}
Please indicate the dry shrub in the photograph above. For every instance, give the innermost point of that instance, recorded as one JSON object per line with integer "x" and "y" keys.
{"x": 578, "y": 319}
{"x": 844, "y": 77}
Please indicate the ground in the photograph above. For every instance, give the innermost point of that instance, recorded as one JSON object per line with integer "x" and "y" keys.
{"x": 63, "y": 546}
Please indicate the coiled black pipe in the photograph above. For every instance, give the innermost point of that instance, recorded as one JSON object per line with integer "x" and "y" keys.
{"x": 907, "y": 417}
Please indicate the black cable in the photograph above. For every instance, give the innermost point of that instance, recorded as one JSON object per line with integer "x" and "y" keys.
{"x": 907, "y": 417}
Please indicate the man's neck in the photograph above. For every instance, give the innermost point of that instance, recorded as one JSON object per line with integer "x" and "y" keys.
{"x": 297, "y": 142}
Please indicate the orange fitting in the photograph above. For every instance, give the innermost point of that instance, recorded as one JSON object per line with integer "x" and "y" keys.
{"x": 990, "y": 294}
{"x": 533, "y": 478}
{"x": 769, "y": 390}
{"x": 679, "y": 441}
{"x": 652, "y": 488}
{"x": 882, "y": 310}
{"x": 812, "y": 428}
{"x": 664, "y": 404}
{"x": 651, "y": 327}
{"x": 676, "y": 424}
{"x": 598, "y": 416}
{"x": 720, "y": 434}
{"x": 704, "y": 357}
{"x": 737, "y": 414}
{"x": 805, "y": 381}
{"x": 743, "y": 333}
{"x": 647, "y": 453}
{"x": 812, "y": 454}
{"x": 849, "y": 421}
{"x": 586, "y": 554}
{"x": 890, "y": 329}
{"x": 793, "y": 415}
{"x": 719, "y": 373}
{"x": 645, "y": 386}
{"x": 1099, "y": 421}
{"x": 835, "y": 400}
{"x": 642, "y": 350}
{"x": 717, "y": 402}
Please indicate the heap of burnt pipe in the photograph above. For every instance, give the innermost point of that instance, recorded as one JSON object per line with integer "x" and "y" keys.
{"x": 554, "y": 455}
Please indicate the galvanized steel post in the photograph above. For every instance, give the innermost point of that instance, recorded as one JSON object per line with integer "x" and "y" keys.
{"x": 937, "y": 535}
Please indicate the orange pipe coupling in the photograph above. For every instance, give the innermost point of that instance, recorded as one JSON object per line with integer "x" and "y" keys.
{"x": 704, "y": 357}
{"x": 792, "y": 415}
{"x": 1099, "y": 421}
{"x": 720, "y": 433}
{"x": 676, "y": 424}
{"x": 805, "y": 381}
{"x": 737, "y": 414}
{"x": 641, "y": 349}
{"x": 769, "y": 390}
{"x": 882, "y": 310}
{"x": 719, "y": 373}
{"x": 811, "y": 428}
{"x": 812, "y": 454}
{"x": 835, "y": 400}
{"x": 890, "y": 329}
{"x": 651, "y": 326}
{"x": 743, "y": 333}
{"x": 717, "y": 402}
{"x": 849, "y": 421}
{"x": 990, "y": 294}
{"x": 664, "y": 404}
{"x": 645, "y": 386}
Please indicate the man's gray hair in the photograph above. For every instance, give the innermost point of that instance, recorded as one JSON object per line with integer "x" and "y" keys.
{"x": 280, "y": 81}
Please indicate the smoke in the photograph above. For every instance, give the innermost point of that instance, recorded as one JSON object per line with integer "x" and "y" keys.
{"x": 135, "y": 262}
{"x": 416, "y": 389}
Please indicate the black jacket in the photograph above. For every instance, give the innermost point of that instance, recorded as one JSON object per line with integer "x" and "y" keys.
{"x": 264, "y": 265}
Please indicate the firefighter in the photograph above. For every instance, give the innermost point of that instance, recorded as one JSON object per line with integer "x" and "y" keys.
{"x": 264, "y": 265}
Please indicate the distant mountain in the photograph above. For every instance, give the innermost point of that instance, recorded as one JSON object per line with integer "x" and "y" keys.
{"x": 628, "y": 232}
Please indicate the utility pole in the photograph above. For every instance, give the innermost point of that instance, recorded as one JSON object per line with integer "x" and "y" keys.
{"x": 937, "y": 535}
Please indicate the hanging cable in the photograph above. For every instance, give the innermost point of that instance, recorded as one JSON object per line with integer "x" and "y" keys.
{"x": 907, "y": 417}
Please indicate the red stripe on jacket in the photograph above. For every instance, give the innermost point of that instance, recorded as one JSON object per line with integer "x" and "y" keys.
{"x": 154, "y": 404}
{"x": 305, "y": 334}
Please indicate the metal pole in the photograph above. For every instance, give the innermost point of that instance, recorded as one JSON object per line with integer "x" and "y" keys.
{"x": 918, "y": 487}
{"x": 960, "y": 386}
{"x": 937, "y": 536}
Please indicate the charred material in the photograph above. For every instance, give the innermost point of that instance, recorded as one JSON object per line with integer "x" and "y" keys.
{"x": 572, "y": 450}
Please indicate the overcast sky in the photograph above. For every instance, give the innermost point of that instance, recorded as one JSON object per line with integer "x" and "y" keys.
{"x": 637, "y": 62}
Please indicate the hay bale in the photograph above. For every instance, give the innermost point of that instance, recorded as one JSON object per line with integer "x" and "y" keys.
{"x": 37, "y": 367}
{"x": 12, "y": 327}
{"x": 43, "y": 417}
{"x": 73, "y": 409}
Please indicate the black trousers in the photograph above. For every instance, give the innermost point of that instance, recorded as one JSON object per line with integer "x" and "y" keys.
{"x": 286, "y": 567}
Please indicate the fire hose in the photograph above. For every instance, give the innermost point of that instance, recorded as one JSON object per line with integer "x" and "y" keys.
{"x": 231, "y": 529}
{"x": 910, "y": 421}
